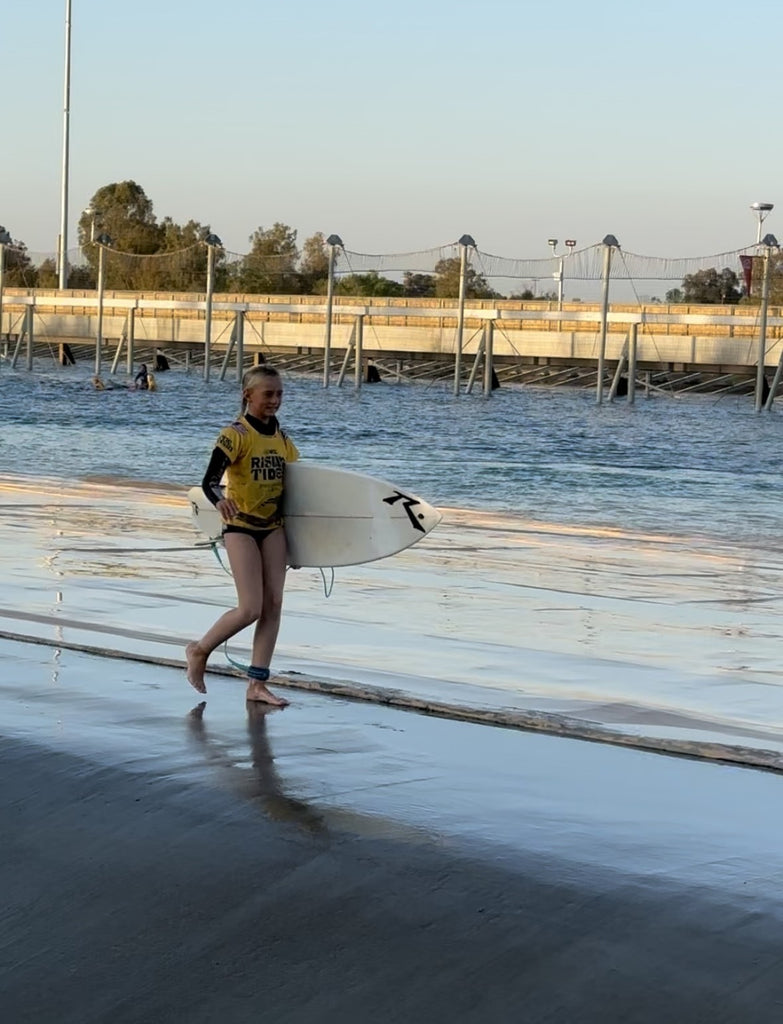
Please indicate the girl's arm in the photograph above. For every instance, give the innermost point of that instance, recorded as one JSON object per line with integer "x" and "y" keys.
{"x": 217, "y": 466}
{"x": 210, "y": 485}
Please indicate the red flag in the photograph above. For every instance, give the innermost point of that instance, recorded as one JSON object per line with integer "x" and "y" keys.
{"x": 747, "y": 271}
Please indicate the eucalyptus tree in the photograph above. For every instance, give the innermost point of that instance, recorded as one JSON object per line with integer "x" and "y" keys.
{"x": 185, "y": 266}
{"x": 711, "y": 286}
{"x": 123, "y": 212}
{"x": 447, "y": 275}
{"x": 271, "y": 265}
{"x": 19, "y": 270}
{"x": 314, "y": 265}
{"x": 418, "y": 286}
{"x": 368, "y": 285}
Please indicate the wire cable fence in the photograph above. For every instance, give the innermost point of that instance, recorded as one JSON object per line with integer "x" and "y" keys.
{"x": 432, "y": 272}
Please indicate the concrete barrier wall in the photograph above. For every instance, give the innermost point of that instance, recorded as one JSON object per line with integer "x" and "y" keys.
{"x": 730, "y": 341}
{"x": 424, "y": 341}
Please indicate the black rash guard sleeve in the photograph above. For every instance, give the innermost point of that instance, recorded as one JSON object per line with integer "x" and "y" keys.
{"x": 210, "y": 485}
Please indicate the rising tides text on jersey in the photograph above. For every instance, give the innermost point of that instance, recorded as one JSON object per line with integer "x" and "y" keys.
{"x": 267, "y": 467}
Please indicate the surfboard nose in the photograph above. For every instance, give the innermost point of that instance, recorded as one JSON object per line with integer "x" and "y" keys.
{"x": 337, "y": 517}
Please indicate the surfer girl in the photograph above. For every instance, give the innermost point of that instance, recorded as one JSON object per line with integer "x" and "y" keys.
{"x": 252, "y": 453}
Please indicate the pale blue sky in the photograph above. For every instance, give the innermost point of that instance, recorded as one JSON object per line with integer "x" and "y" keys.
{"x": 402, "y": 126}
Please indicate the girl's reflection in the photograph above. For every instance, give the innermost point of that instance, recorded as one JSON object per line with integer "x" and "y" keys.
{"x": 263, "y": 782}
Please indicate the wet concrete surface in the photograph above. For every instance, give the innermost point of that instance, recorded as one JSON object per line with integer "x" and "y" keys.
{"x": 166, "y": 860}
{"x": 651, "y": 636}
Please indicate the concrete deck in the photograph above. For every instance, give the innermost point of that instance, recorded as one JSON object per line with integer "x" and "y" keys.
{"x": 167, "y": 861}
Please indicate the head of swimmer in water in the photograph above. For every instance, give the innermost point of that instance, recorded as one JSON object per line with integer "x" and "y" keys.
{"x": 262, "y": 392}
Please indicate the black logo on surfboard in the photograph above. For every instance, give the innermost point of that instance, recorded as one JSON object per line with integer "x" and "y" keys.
{"x": 408, "y": 504}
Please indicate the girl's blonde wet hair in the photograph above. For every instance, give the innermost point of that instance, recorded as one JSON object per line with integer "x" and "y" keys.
{"x": 252, "y": 377}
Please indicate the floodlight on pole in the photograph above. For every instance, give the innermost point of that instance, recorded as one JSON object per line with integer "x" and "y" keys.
{"x": 570, "y": 243}
{"x": 465, "y": 242}
{"x": 334, "y": 242}
{"x": 762, "y": 211}
{"x": 103, "y": 241}
{"x": 212, "y": 243}
{"x": 770, "y": 244}
{"x": 609, "y": 243}
{"x": 95, "y": 216}
{"x": 557, "y": 276}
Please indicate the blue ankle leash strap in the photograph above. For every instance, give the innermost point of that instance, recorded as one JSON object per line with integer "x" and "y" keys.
{"x": 257, "y": 673}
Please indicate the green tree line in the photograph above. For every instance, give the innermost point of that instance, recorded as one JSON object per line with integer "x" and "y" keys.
{"x": 723, "y": 287}
{"x": 151, "y": 255}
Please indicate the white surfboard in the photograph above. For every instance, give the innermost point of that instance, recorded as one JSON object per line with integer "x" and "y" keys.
{"x": 336, "y": 517}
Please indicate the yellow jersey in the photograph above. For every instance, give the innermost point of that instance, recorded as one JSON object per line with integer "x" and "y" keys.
{"x": 255, "y": 476}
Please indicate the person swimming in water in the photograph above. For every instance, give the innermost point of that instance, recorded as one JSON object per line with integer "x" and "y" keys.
{"x": 142, "y": 380}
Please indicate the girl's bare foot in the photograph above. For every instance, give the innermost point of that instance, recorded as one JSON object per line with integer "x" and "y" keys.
{"x": 257, "y": 691}
{"x": 197, "y": 664}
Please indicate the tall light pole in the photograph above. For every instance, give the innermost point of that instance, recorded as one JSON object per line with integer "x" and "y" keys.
{"x": 558, "y": 274}
{"x": 770, "y": 243}
{"x": 95, "y": 216}
{"x": 212, "y": 243}
{"x": 103, "y": 242}
{"x": 466, "y": 242}
{"x": 609, "y": 243}
{"x": 62, "y": 255}
{"x": 762, "y": 211}
{"x": 570, "y": 245}
{"x": 334, "y": 242}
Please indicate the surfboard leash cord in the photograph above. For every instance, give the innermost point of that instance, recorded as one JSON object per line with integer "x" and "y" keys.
{"x": 328, "y": 587}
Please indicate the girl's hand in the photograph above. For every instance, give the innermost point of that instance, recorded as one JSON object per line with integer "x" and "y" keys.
{"x": 227, "y": 509}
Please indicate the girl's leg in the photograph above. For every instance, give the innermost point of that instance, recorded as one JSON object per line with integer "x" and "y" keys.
{"x": 244, "y": 557}
{"x": 273, "y": 557}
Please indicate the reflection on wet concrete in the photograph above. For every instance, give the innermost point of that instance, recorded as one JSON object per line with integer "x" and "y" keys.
{"x": 655, "y": 634}
{"x": 262, "y": 782}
